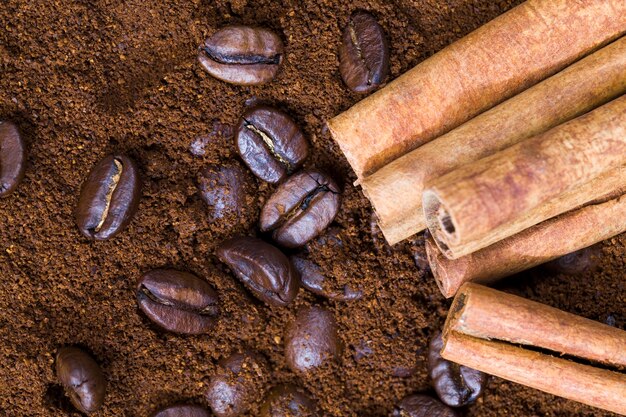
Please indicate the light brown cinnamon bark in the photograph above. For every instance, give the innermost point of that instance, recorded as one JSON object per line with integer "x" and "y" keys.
{"x": 395, "y": 190}
{"x": 505, "y": 56}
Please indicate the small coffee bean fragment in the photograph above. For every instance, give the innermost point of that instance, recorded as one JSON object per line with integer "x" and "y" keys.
{"x": 300, "y": 208}
{"x": 12, "y": 158}
{"x": 81, "y": 378}
{"x": 579, "y": 262}
{"x": 313, "y": 280}
{"x": 311, "y": 340}
{"x": 242, "y": 55}
{"x": 270, "y": 143}
{"x": 239, "y": 381}
{"x": 363, "y": 54}
{"x": 178, "y": 301}
{"x": 456, "y": 385}
{"x": 288, "y": 401}
{"x": 262, "y": 268}
{"x": 182, "y": 410}
{"x": 109, "y": 197}
{"x": 417, "y": 405}
{"x": 222, "y": 187}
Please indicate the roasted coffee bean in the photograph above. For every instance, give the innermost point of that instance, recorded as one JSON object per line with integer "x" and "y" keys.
{"x": 81, "y": 378}
{"x": 363, "y": 54}
{"x": 109, "y": 197}
{"x": 222, "y": 187}
{"x": 242, "y": 55}
{"x": 579, "y": 262}
{"x": 178, "y": 301}
{"x": 12, "y": 158}
{"x": 313, "y": 280}
{"x": 311, "y": 340}
{"x": 239, "y": 381}
{"x": 270, "y": 143}
{"x": 182, "y": 410}
{"x": 422, "y": 406}
{"x": 300, "y": 208}
{"x": 288, "y": 401}
{"x": 456, "y": 385}
{"x": 262, "y": 268}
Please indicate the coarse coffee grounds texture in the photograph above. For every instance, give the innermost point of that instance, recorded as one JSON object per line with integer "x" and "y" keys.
{"x": 83, "y": 79}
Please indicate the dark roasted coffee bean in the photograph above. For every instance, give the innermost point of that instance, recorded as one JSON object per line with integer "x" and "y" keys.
{"x": 239, "y": 381}
{"x": 313, "y": 280}
{"x": 262, "y": 268}
{"x": 182, "y": 410}
{"x": 12, "y": 158}
{"x": 222, "y": 187}
{"x": 81, "y": 378}
{"x": 109, "y": 197}
{"x": 311, "y": 340}
{"x": 242, "y": 55}
{"x": 579, "y": 262}
{"x": 422, "y": 406}
{"x": 178, "y": 301}
{"x": 456, "y": 385}
{"x": 301, "y": 208}
{"x": 288, "y": 401}
{"x": 363, "y": 54}
{"x": 270, "y": 143}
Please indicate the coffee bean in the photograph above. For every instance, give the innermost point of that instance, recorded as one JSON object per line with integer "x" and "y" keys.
{"x": 288, "y": 401}
{"x": 222, "y": 187}
{"x": 109, "y": 197}
{"x": 178, "y": 301}
{"x": 456, "y": 385}
{"x": 270, "y": 143}
{"x": 300, "y": 208}
{"x": 238, "y": 382}
{"x": 312, "y": 279}
{"x": 311, "y": 340}
{"x": 579, "y": 262}
{"x": 81, "y": 378}
{"x": 422, "y": 406}
{"x": 182, "y": 410}
{"x": 12, "y": 158}
{"x": 363, "y": 54}
{"x": 242, "y": 55}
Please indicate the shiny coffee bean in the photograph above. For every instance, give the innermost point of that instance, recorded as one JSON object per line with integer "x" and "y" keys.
{"x": 182, "y": 410}
{"x": 12, "y": 158}
{"x": 262, "y": 268}
{"x": 222, "y": 187}
{"x": 422, "y": 406}
{"x": 242, "y": 55}
{"x": 456, "y": 385}
{"x": 313, "y": 280}
{"x": 288, "y": 401}
{"x": 363, "y": 54}
{"x": 311, "y": 340}
{"x": 579, "y": 262}
{"x": 300, "y": 208}
{"x": 270, "y": 143}
{"x": 239, "y": 381}
{"x": 109, "y": 197}
{"x": 81, "y": 378}
{"x": 178, "y": 301}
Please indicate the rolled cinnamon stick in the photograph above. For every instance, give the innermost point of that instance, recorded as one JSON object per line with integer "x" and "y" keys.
{"x": 498, "y": 196}
{"x": 503, "y": 57}
{"x": 579, "y": 88}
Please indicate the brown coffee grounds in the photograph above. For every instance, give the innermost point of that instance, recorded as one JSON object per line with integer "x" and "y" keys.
{"x": 86, "y": 78}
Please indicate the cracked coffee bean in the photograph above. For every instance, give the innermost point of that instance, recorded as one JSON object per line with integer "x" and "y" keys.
{"x": 182, "y": 410}
{"x": 270, "y": 143}
{"x": 81, "y": 378}
{"x": 222, "y": 187}
{"x": 239, "y": 381}
{"x": 456, "y": 385}
{"x": 417, "y": 405}
{"x": 12, "y": 158}
{"x": 288, "y": 401}
{"x": 262, "y": 268}
{"x": 178, "y": 301}
{"x": 300, "y": 208}
{"x": 363, "y": 54}
{"x": 313, "y": 280}
{"x": 579, "y": 262}
{"x": 109, "y": 197}
{"x": 242, "y": 55}
{"x": 311, "y": 340}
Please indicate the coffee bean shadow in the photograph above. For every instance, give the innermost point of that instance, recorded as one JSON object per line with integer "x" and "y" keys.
{"x": 56, "y": 401}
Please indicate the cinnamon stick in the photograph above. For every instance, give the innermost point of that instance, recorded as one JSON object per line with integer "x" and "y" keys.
{"x": 498, "y": 60}
{"x": 496, "y": 197}
{"x": 576, "y": 90}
